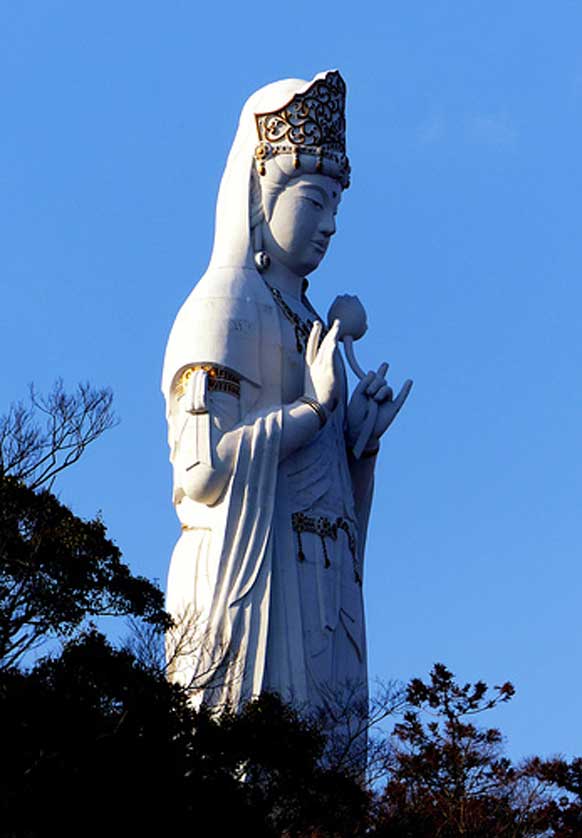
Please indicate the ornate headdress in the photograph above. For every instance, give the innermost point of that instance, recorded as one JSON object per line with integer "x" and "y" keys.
{"x": 313, "y": 123}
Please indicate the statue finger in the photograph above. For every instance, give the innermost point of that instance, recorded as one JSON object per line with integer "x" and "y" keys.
{"x": 333, "y": 333}
{"x": 384, "y": 394}
{"x": 312, "y": 343}
{"x": 329, "y": 343}
{"x": 377, "y": 382}
{"x": 383, "y": 369}
{"x": 363, "y": 384}
{"x": 403, "y": 394}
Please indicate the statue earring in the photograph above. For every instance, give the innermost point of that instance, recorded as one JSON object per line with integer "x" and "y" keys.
{"x": 262, "y": 261}
{"x": 262, "y": 258}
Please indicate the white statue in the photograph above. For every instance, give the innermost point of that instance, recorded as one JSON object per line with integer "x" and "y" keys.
{"x": 265, "y": 582}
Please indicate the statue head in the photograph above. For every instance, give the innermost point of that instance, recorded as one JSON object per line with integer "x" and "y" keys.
{"x": 301, "y": 169}
{"x": 293, "y": 219}
{"x": 284, "y": 177}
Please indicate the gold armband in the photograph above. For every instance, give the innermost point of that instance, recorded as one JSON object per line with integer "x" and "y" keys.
{"x": 219, "y": 379}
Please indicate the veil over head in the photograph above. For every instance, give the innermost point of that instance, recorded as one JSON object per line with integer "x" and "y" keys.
{"x": 298, "y": 124}
{"x": 301, "y": 125}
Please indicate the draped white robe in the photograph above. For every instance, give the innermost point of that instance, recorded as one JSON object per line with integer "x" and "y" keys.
{"x": 262, "y": 618}
{"x": 261, "y": 611}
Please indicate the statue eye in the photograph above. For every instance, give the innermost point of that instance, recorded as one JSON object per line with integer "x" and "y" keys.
{"x": 316, "y": 203}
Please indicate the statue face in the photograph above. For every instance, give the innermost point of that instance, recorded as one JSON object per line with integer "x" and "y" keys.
{"x": 302, "y": 222}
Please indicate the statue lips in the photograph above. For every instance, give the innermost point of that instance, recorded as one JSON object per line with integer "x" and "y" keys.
{"x": 320, "y": 245}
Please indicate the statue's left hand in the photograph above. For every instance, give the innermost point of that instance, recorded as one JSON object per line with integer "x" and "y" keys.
{"x": 374, "y": 387}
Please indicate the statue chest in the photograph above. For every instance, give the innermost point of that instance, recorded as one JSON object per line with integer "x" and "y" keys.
{"x": 296, "y": 318}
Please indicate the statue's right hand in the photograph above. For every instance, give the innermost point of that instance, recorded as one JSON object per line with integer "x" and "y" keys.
{"x": 321, "y": 379}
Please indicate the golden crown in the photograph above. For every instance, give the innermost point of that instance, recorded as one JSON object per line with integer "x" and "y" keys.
{"x": 311, "y": 123}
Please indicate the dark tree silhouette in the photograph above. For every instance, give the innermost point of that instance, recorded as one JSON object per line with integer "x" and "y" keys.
{"x": 448, "y": 777}
{"x": 57, "y": 571}
{"x": 564, "y": 810}
{"x": 96, "y": 741}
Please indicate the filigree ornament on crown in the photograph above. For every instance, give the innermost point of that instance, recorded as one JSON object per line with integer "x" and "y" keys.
{"x": 310, "y": 123}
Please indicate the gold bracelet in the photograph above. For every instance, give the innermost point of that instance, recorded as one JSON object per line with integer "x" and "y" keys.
{"x": 317, "y": 408}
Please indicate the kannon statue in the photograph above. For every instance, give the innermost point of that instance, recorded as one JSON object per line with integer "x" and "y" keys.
{"x": 265, "y": 582}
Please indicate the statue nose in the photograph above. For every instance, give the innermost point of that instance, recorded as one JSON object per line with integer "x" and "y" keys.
{"x": 328, "y": 225}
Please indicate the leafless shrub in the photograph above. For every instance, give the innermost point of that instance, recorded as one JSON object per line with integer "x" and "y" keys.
{"x": 188, "y": 655}
{"x": 49, "y": 433}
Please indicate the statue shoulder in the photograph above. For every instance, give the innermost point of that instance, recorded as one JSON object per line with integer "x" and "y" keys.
{"x": 221, "y": 322}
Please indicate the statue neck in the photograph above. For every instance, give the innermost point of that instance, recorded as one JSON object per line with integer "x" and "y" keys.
{"x": 284, "y": 280}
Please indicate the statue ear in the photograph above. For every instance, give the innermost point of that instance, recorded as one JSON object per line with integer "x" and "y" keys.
{"x": 256, "y": 219}
{"x": 256, "y": 209}
{"x": 264, "y": 191}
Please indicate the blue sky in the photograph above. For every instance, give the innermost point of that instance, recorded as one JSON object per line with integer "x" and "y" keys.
{"x": 460, "y": 233}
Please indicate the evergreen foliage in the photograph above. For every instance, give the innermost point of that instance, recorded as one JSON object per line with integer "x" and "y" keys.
{"x": 96, "y": 741}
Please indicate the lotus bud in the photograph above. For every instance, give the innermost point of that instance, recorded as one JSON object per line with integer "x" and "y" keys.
{"x": 352, "y": 316}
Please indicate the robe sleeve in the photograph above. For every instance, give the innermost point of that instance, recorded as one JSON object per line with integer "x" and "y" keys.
{"x": 243, "y": 337}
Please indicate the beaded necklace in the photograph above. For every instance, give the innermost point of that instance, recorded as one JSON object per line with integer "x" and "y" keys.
{"x": 301, "y": 327}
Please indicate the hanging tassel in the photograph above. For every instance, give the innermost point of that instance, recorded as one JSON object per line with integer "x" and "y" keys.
{"x": 327, "y": 562}
{"x": 300, "y": 553}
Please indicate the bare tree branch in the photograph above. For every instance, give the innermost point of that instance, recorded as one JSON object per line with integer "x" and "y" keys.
{"x": 188, "y": 655}
{"x": 40, "y": 439}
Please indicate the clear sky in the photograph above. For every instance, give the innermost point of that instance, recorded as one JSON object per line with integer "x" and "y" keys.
{"x": 460, "y": 233}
